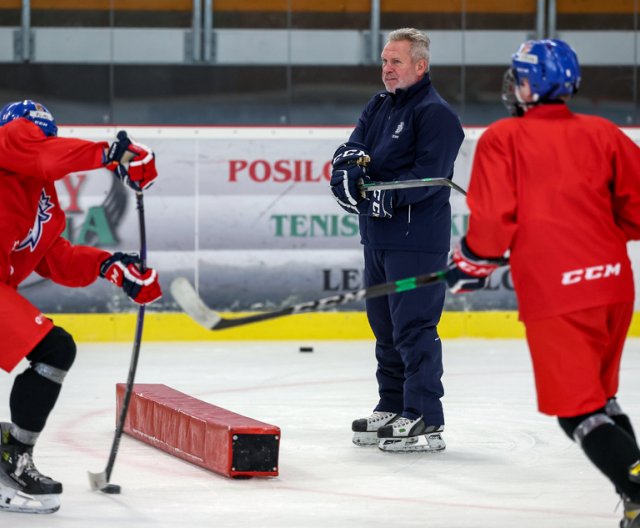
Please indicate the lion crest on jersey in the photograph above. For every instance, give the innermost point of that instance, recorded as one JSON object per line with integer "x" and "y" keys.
{"x": 42, "y": 217}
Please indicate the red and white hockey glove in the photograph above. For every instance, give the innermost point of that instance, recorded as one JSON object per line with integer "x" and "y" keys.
{"x": 133, "y": 163}
{"x": 123, "y": 270}
{"x": 468, "y": 272}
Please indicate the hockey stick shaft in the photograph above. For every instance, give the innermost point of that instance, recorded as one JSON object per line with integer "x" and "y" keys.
{"x": 193, "y": 305}
{"x": 410, "y": 184}
{"x": 101, "y": 480}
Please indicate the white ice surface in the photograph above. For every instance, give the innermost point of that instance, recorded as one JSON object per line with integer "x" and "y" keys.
{"x": 505, "y": 465}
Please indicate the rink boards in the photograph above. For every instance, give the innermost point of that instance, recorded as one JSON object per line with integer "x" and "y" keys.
{"x": 245, "y": 213}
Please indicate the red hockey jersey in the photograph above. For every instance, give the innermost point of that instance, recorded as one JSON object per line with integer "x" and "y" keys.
{"x": 561, "y": 191}
{"x": 31, "y": 222}
{"x": 31, "y": 219}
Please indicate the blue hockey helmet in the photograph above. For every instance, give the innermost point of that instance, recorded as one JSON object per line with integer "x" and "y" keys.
{"x": 551, "y": 66}
{"x": 33, "y": 111}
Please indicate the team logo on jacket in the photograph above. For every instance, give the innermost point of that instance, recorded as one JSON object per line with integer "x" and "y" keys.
{"x": 399, "y": 129}
{"x": 42, "y": 217}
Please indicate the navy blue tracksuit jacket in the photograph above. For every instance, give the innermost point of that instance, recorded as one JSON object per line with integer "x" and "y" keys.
{"x": 410, "y": 134}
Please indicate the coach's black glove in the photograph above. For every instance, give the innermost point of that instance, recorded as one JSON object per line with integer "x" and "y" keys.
{"x": 349, "y": 171}
{"x": 467, "y": 271}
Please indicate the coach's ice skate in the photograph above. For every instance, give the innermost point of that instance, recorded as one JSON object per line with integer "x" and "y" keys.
{"x": 365, "y": 430}
{"x": 631, "y": 517}
{"x": 22, "y": 487}
{"x": 406, "y": 435}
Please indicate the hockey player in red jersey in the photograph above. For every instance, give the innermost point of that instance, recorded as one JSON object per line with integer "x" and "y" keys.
{"x": 32, "y": 158}
{"x": 560, "y": 192}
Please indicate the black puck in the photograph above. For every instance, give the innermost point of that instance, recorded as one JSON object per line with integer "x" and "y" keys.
{"x": 306, "y": 349}
{"x": 111, "y": 489}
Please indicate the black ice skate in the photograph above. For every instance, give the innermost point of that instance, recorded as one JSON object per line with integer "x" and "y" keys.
{"x": 631, "y": 517}
{"x": 406, "y": 435}
{"x": 365, "y": 430}
{"x": 23, "y": 488}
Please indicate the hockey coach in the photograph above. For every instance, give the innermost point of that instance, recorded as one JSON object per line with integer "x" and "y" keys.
{"x": 406, "y": 132}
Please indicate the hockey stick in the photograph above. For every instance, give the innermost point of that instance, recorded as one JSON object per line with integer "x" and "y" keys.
{"x": 100, "y": 481}
{"x": 363, "y": 161}
{"x": 194, "y": 306}
{"x": 410, "y": 184}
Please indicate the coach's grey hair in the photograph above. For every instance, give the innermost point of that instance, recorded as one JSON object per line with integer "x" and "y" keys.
{"x": 419, "y": 42}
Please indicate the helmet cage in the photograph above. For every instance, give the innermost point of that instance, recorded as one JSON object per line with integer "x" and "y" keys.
{"x": 509, "y": 98}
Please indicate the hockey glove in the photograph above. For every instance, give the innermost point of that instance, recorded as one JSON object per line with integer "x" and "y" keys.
{"x": 349, "y": 170}
{"x": 468, "y": 272}
{"x": 381, "y": 204}
{"x": 133, "y": 163}
{"x": 122, "y": 269}
{"x": 344, "y": 186}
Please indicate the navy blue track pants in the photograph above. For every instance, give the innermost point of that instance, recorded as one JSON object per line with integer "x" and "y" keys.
{"x": 408, "y": 348}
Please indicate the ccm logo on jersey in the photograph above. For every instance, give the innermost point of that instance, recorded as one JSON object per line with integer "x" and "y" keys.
{"x": 591, "y": 273}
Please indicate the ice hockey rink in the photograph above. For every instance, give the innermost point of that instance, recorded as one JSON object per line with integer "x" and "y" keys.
{"x": 505, "y": 465}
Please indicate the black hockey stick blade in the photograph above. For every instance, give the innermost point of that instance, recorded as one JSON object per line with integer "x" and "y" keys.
{"x": 410, "y": 184}
{"x": 186, "y": 296}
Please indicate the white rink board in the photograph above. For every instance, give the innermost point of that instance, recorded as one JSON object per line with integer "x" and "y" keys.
{"x": 231, "y": 198}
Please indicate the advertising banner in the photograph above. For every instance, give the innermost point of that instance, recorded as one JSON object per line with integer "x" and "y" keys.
{"x": 244, "y": 213}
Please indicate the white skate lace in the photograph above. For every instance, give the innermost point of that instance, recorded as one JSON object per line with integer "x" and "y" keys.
{"x": 379, "y": 416}
{"x": 25, "y": 465}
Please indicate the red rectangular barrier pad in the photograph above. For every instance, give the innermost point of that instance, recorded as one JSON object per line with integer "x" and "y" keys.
{"x": 203, "y": 434}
